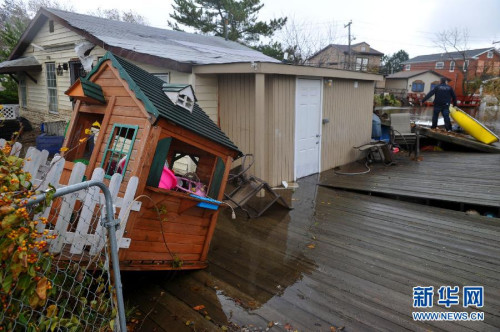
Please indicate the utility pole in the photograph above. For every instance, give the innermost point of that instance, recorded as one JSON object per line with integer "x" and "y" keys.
{"x": 348, "y": 26}
{"x": 226, "y": 25}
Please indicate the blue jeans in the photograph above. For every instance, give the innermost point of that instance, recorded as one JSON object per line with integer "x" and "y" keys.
{"x": 445, "y": 109}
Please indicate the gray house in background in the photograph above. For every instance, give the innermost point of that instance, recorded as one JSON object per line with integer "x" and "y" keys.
{"x": 420, "y": 81}
{"x": 296, "y": 120}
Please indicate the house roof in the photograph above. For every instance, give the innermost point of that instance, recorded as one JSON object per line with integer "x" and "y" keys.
{"x": 149, "y": 89}
{"x": 409, "y": 74}
{"x": 174, "y": 49}
{"x": 345, "y": 49}
{"x": 449, "y": 56}
{"x": 12, "y": 66}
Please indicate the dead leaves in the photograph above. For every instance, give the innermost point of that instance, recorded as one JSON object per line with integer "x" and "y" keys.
{"x": 199, "y": 307}
{"x": 311, "y": 246}
{"x": 41, "y": 288}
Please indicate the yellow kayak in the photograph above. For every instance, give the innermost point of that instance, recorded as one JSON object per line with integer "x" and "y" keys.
{"x": 473, "y": 127}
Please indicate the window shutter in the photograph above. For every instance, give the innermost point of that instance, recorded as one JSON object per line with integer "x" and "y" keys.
{"x": 158, "y": 162}
{"x": 217, "y": 178}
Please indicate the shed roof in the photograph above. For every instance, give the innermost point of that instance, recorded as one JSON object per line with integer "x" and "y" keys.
{"x": 12, "y": 66}
{"x": 149, "y": 89}
{"x": 408, "y": 74}
{"x": 143, "y": 43}
{"x": 285, "y": 69}
{"x": 449, "y": 56}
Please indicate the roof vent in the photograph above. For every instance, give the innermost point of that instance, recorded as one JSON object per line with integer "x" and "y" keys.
{"x": 181, "y": 95}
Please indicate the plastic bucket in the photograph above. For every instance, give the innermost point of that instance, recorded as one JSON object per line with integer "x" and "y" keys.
{"x": 168, "y": 179}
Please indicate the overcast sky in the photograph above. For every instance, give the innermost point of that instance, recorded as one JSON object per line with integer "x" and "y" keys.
{"x": 387, "y": 25}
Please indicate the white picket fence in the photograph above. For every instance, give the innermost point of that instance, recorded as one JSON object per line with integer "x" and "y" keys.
{"x": 82, "y": 236}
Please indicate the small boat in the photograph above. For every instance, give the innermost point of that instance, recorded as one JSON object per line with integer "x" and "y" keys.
{"x": 472, "y": 126}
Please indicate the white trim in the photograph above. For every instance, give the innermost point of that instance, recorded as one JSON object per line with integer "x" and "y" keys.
{"x": 454, "y": 64}
{"x": 489, "y": 55}
{"x": 440, "y": 67}
{"x": 297, "y": 78}
{"x": 408, "y": 67}
{"x": 49, "y": 89}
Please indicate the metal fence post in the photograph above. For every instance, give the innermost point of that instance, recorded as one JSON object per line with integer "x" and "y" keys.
{"x": 111, "y": 225}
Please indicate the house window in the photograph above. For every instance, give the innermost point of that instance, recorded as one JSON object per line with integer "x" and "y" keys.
{"x": 76, "y": 71}
{"x": 50, "y": 68}
{"x": 434, "y": 84}
{"x": 51, "y": 26}
{"x": 407, "y": 67}
{"x": 417, "y": 86}
{"x": 489, "y": 55}
{"x": 440, "y": 65}
{"x": 22, "y": 90}
{"x": 466, "y": 65}
{"x": 118, "y": 150}
{"x": 361, "y": 64}
{"x": 164, "y": 77}
{"x": 452, "y": 65}
{"x": 363, "y": 48}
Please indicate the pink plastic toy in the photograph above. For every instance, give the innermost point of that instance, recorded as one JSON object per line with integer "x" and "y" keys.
{"x": 168, "y": 179}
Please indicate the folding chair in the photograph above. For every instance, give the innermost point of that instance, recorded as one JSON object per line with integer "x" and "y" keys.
{"x": 401, "y": 131}
{"x": 247, "y": 187}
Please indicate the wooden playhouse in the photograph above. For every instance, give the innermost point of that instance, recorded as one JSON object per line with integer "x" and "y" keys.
{"x": 151, "y": 129}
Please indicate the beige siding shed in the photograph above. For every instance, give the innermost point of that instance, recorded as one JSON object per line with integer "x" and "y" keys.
{"x": 347, "y": 103}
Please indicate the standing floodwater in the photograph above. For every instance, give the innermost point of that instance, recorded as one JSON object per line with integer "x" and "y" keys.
{"x": 423, "y": 115}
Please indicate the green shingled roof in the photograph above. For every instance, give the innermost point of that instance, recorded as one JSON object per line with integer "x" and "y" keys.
{"x": 92, "y": 90}
{"x": 149, "y": 89}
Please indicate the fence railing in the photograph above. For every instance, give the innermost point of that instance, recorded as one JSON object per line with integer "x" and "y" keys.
{"x": 79, "y": 229}
{"x": 9, "y": 111}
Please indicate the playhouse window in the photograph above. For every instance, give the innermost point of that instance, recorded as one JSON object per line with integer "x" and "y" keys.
{"x": 197, "y": 171}
{"x": 119, "y": 149}
{"x": 185, "y": 102}
{"x": 183, "y": 163}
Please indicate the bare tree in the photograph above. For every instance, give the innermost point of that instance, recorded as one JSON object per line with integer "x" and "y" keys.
{"x": 34, "y": 5}
{"x": 302, "y": 39}
{"x": 117, "y": 15}
{"x": 456, "y": 41}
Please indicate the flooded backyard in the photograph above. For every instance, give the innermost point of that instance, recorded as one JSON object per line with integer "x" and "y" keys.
{"x": 338, "y": 261}
{"x": 423, "y": 115}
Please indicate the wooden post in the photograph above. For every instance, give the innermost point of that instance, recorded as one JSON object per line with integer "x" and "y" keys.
{"x": 260, "y": 127}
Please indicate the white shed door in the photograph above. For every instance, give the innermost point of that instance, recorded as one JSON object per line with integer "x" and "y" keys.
{"x": 307, "y": 127}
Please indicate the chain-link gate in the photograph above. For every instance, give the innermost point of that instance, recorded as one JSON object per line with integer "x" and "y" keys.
{"x": 59, "y": 253}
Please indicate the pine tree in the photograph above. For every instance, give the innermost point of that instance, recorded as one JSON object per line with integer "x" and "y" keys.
{"x": 236, "y": 19}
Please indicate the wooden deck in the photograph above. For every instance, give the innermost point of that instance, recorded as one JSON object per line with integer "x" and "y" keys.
{"x": 467, "y": 178}
{"x": 339, "y": 259}
{"x": 459, "y": 139}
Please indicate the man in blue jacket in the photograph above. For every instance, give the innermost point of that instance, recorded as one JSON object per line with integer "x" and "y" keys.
{"x": 444, "y": 94}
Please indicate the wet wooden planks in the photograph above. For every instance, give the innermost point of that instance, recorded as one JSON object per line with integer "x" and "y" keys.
{"x": 468, "y": 178}
{"x": 338, "y": 259}
{"x": 459, "y": 139}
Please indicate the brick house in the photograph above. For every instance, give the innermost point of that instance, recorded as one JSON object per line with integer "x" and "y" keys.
{"x": 363, "y": 57}
{"x": 454, "y": 65}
